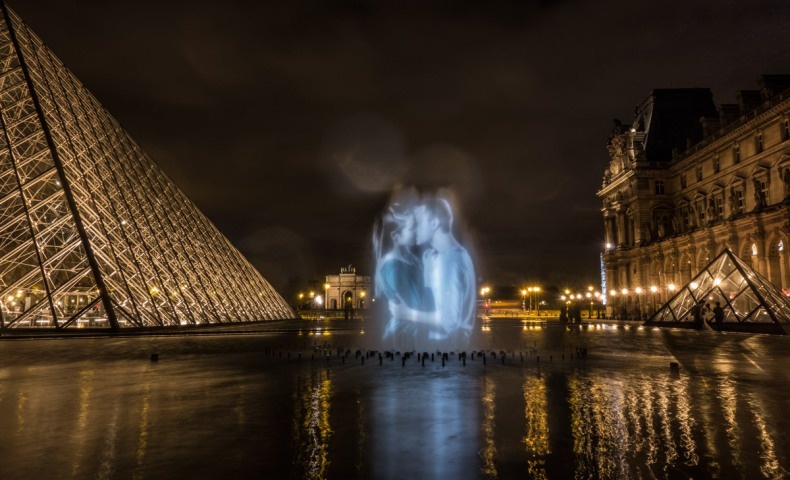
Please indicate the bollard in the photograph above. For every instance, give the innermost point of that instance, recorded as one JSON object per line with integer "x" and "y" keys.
{"x": 300, "y": 356}
{"x": 154, "y": 357}
{"x": 363, "y": 360}
{"x": 484, "y": 359}
{"x": 431, "y": 356}
{"x": 538, "y": 357}
{"x": 403, "y": 361}
{"x": 423, "y": 360}
{"x": 381, "y": 359}
{"x": 521, "y": 354}
{"x": 674, "y": 366}
{"x": 503, "y": 359}
{"x": 464, "y": 360}
{"x": 442, "y": 360}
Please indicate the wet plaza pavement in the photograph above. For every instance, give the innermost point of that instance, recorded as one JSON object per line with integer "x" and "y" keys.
{"x": 310, "y": 400}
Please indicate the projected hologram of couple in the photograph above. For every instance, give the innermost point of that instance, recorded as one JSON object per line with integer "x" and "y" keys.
{"x": 424, "y": 279}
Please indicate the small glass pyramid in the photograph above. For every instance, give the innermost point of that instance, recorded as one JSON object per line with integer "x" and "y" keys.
{"x": 750, "y": 302}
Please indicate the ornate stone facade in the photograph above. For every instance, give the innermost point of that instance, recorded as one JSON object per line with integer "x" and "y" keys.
{"x": 687, "y": 179}
{"x": 347, "y": 288}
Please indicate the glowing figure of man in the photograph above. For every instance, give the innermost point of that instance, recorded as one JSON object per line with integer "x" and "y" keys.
{"x": 448, "y": 273}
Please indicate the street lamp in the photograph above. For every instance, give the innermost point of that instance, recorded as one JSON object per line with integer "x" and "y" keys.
{"x": 523, "y": 299}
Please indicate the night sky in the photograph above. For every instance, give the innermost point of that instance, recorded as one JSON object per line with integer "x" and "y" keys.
{"x": 288, "y": 123}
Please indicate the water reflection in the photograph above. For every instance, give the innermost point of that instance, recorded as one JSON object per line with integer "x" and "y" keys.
{"x": 536, "y": 438}
{"x": 210, "y": 415}
{"x": 488, "y": 452}
{"x": 311, "y": 427}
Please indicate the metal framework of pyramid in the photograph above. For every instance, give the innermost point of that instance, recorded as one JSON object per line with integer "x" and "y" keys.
{"x": 751, "y": 303}
{"x": 92, "y": 233}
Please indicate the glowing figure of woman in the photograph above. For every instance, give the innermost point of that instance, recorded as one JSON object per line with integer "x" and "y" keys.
{"x": 399, "y": 273}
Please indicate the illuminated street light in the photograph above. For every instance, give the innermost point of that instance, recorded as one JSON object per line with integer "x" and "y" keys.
{"x": 484, "y": 293}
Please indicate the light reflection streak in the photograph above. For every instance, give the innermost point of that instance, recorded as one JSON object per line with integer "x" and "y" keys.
{"x": 707, "y": 423}
{"x": 648, "y": 393}
{"x": 686, "y": 423}
{"x": 21, "y": 400}
{"x": 109, "y": 453}
{"x": 488, "y": 452}
{"x": 536, "y": 439}
{"x": 729, "y": 400}
{"x": 770, "y": 467}
{"x": 666, "y": 434}
{"x": 86, "y": 388}
{"x": 311, "y": 427}
{"x": 142, "y": 437}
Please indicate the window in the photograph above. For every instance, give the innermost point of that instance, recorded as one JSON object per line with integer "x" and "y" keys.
{"x": 758, "y": 143}
{"x": 786, "y": 129}
{"x": 716, "y": 164}
{"x": 718, "y": 201}
{"x": 763, "y": 186}
{"x": 736, "y": 154}
{"x": 683, "y": 180}
{"x": 659, "y": 187}
{"x": 739, "y": 199}
{"x": 701, "y": 212}
{"x": 699, "y": 173}
{"x": 686, "y": 218}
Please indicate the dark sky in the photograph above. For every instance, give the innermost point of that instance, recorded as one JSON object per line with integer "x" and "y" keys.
{"x": 288, "y": 122}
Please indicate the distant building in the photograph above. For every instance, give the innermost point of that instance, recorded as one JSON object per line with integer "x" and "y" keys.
{"x": 347, "y": 288}
{"x": 687, "y": 179}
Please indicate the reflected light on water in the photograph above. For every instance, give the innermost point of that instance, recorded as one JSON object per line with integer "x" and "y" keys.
{"x": 311, "y": 427}
{"x": 488, "y": 452}
{"x": 142, "y": 438}
{"x": 536, "y": 438}
{"x": 770, "y": 467}
{"x": 729, "y": 403}
{"x": 685, "y": 421}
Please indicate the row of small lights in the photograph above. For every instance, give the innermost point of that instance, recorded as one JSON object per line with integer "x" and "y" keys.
{"x": 671, "y": 287}
{"x": 578, "y": 296}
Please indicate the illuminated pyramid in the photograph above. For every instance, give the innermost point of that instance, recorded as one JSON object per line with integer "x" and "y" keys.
{"x": 750, "y": 302}
{"x": 92, "y": 233}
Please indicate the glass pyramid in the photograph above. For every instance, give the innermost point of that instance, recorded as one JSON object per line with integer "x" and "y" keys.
{"x": 750, "y": 302}
{"x": 92, "y": 233}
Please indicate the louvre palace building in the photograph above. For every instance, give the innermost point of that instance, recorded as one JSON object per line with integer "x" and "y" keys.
{"x": 688, "y": 179}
